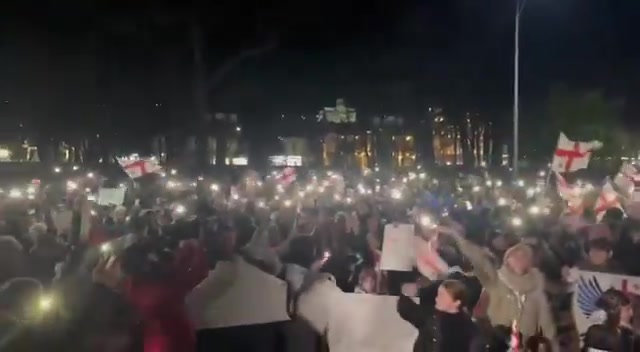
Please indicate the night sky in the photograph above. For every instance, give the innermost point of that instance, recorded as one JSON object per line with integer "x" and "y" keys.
{"x": 126, "y": 66}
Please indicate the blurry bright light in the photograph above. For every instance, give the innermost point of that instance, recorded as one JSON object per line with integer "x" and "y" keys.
{"x": 468, "y": 205}
{"x": 180, "y": 209}
{"x": 15, "y": 193}
{"x": 31, "y": 190}
{"x": 76, "y": 168}
{"x": 502, "y": 202}
{"x": 534, "y": 210}
{"x": 396, "y": 194}
{"x": 520, "y": 183}
{"x": 422, "y": 175}
{"x": 542, "y": 173}
{"x": 337, "y": 198}
{"x": 261, "y": 204}
{"x": 516, "y": 221}
{"x": 214, "y": 187}
{"x": 310, "y": 188}
{"x": 105, "y": 248}
{"x": 93, "y": 212}
{"x": 90, "y": 175}
{"x": 499, "y": 183}
{"x": 287, "y": 203}
{"x": 531, "y": 192}
{"x": 489, "y": 183}
{"x": 426, "y": 221}
{"x": 57, "y": 170}
{"x": 280, "y": 188}
{"x": 476, "y": 189}
{"x": 240, "y": 161}
{"x": 238, "y": 129}
{"x": 45, "y": 303}
{"x": 174, "y": 172}
{"x": 349, "y": 200}
{"x": 71, "y": 186}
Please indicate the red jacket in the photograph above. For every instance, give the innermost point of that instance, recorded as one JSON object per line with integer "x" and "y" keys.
{"x": 166, "y": 326}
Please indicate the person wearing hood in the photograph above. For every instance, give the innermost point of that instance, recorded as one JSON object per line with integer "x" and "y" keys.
{"x": 515, "y": 290}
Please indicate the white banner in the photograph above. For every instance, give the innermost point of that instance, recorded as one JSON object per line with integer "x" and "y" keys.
{"x": 398, "y": 251}
{"x": 368, "y": 323}
{"x": 111, "y": 196}
{"x": 590, "y": 286}
{"x": 237, "y": 294}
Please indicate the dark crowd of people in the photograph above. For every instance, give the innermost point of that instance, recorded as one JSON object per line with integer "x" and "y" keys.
{"x": 79, "y": 276}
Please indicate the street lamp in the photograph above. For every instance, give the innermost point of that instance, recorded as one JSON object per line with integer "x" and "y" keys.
{"x": 516, "y": 81}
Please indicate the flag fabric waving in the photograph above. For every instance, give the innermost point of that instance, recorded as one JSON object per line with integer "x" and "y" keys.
{"x": 570, "y": 193}
{"x": 428, "y": 261}
{"x": 572, "y": 156}
{"x": 287, "y": 176}
{"x": 628, "y": 181}
{"x": 608, "y": 199}
{"x": 140, "y": 167}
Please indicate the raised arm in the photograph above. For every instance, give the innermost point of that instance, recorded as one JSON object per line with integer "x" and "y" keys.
{"x": 482, "y": 265}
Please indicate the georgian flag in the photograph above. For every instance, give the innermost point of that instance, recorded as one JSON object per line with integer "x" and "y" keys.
{"x": 287, "y": 176}
{"x": 628, "y": 181}
{"x": 608, "y": 199}
{"x": 572, "y": 156}
{"x": 140, "y": 167}
{"x": 428, "y": 261}
{"x": 570, "y": 193}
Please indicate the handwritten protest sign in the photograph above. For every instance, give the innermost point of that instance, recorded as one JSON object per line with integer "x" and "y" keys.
{"x": 398, "y": 253}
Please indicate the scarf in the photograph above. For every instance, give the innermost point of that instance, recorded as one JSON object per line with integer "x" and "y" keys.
{"x": 520, "y": 284}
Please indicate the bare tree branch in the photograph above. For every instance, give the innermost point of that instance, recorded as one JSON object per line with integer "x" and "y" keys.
{"x": 219, "y": 74}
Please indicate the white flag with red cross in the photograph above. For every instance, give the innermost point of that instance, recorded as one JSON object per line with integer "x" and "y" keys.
{"x": 608, "y": 199}
{"x": 572, "y": 156}
{"x": 428, "y": 261}
{"x": 140, "y": 167}
{"x": 572, "y": 194}
{"x": 628, "y": 182}
{"x": 567, "y": 191}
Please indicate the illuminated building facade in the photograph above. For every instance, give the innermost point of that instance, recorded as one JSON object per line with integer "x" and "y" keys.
{"x": 395, "y": 145}
{"x": 465, "y": 142}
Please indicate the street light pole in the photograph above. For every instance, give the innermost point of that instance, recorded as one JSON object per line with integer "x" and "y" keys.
{"x": 516, "y": 86}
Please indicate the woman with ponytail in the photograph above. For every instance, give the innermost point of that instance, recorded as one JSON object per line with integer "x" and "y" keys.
{"x": 615, "y": 333}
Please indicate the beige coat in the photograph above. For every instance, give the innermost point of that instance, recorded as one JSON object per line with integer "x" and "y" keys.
{"x": 511, "y": 296}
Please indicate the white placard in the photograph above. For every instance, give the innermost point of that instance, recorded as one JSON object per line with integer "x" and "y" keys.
{"x": 368, "y": 323}
{"x": 398, "y": 252}
{"x": 62, "y": 220}
{"x": 588, "y": 288}
{"x": 111, "y": 196}
{"x": 237, "y": 294}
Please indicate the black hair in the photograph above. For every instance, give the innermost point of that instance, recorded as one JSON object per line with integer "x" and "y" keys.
{"x": 601, "y": 244}
{"x": 611, "y": 302}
